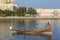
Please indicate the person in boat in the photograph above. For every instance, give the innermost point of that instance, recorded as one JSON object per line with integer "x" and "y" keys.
{"x": 48, "y": 25}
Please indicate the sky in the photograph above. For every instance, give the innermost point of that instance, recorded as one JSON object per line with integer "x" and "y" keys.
{"x": 38, "y": 3}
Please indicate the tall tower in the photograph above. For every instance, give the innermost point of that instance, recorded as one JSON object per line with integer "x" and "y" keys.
{"x": 7, "y": 5}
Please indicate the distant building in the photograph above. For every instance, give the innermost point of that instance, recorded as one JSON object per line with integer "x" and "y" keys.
{"x": 47, "y": 12}
{"x": 7, "y": 5}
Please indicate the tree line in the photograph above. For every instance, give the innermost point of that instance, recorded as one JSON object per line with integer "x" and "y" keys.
{"x": 21, "y": 11}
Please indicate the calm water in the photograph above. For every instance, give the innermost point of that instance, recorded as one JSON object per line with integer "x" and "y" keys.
{"x": 5, "y": 33}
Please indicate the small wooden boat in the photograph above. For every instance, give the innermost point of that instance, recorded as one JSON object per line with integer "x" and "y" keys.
{"x": 45, "y": 32}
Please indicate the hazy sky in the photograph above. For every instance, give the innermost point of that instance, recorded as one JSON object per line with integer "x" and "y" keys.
{"x": 39, "y": 3}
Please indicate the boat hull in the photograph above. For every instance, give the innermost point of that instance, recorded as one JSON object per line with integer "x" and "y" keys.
{"x": 32, "y": 32}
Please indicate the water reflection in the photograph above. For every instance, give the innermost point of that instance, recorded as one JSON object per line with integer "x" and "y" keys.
{"x": 56, "y": 30}
{"x": 5, "y": 32}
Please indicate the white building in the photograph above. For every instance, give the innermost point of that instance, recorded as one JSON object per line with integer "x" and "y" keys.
{"x": 47, "y": 12}
{"x": 7, "y": 5}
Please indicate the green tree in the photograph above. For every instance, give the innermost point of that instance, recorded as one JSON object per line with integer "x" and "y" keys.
{"x": 9, "y": 13}
{"x": 1, "y": 13}
{"x": 31, "y": 11}
{"x": 20, "y": 11}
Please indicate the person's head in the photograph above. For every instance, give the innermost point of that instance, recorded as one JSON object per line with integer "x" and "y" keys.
{"x": 48, "y": 22}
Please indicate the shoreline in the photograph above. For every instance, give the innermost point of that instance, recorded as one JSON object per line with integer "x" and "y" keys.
{"x": 46, "y": 17}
